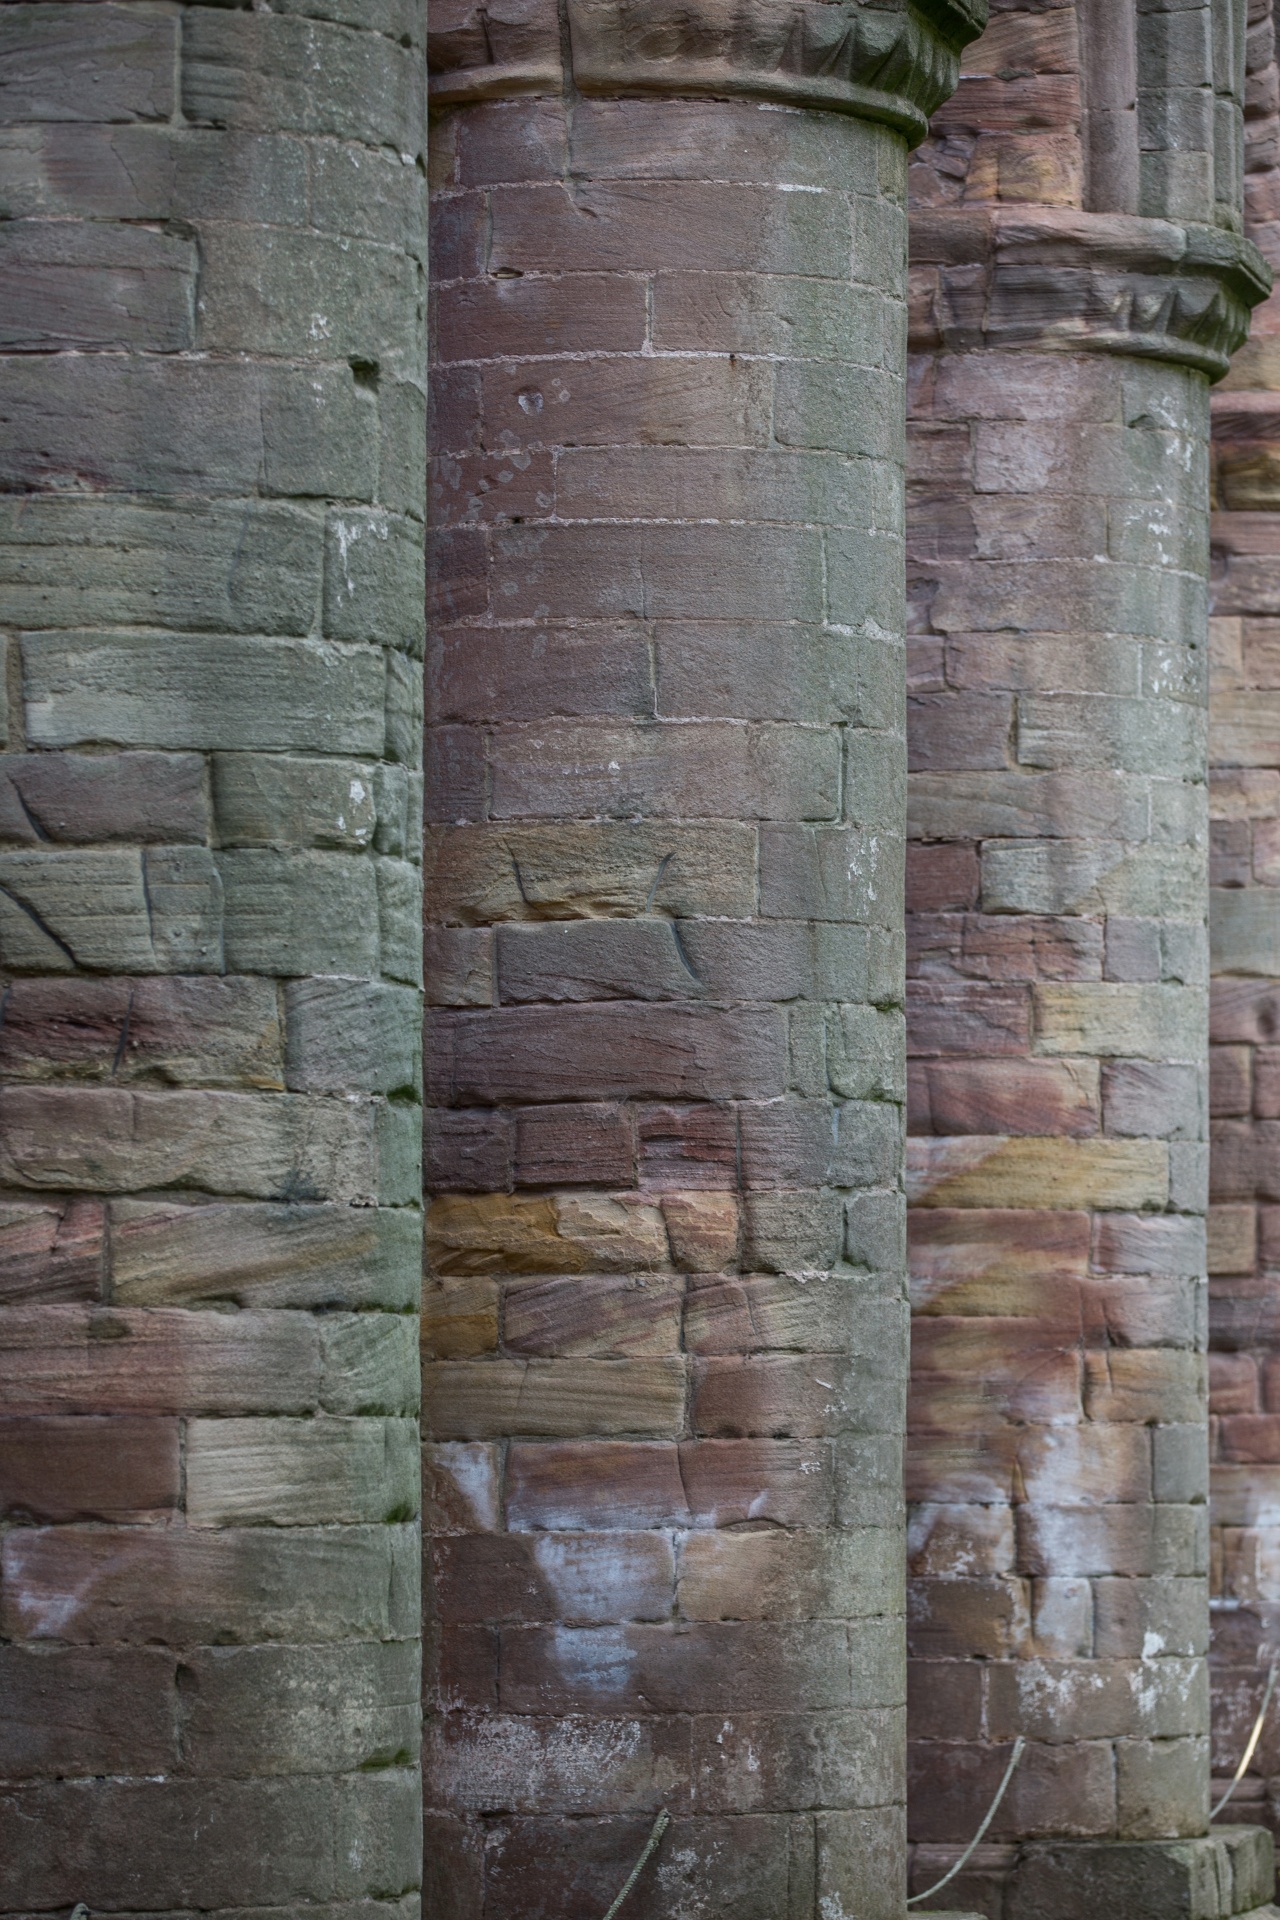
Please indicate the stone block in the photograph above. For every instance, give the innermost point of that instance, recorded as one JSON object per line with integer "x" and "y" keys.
{"x": 596, "y": 960}
{"x": 96, "y": 64}
{"x": 199, "y": 565}
{"x": 767, "y": 1576}
{"x": 304, "y": 75}
{"x": 303, "y": 296}
{"x": 804, "y": 1396}
{"x": 273, "y": 801}
{"x": 52, "y": 1252}
{"x": 81, "y": 287}
{"x": 292, "y": 1710}
{"x": 579, "y": 1578}
{"x": 126, "y": 690}
{"x": 579, "y": 1144}
{"x": 180, "y": 1032}
{"x": 135, "y": 797}
{"x": 81, "y": 1466}
{"x": 835, "y": 873}
{"x": 1244, "y": 926}
{"x": 213, "y": 427}
{"x": 374, "y": 578}
{"x": 604, "y": 1053}
{"x": 569, "y": 1233}
{"x": 342, "y": 1840}
{"x": 352, "y": 1036}
{"x": 68, "y": 1711}
{"x": 592, "y": 1315}
{"x": 519, "y": 1764}
{"x": 300, "y": 1473}
{"x": 996, "y": 1172}
{"x": 553, "y": 1399}
{"x": 1194, "y": 1878}
{"x": 260, "y": 1146}
{"x": 300, "y": 913}
{"x": 703, "y": 768}
{"x": 706, "y": 1666}
{"x": 482, "y": 874}
{"x": 272, "y": 1254}
{"x": 65, "y": 1359}
{"x": 791, "y": 1232}
{"x": 467, "y": 1152}
{"x": 1160, "y": 1022}
{"x": 91, "y": 1586}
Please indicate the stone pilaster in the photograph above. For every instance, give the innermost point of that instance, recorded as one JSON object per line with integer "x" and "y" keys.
{"x": 666, "y": 1328}
{"x": 1057, "y": 960}
{"x": 210, "y": 600}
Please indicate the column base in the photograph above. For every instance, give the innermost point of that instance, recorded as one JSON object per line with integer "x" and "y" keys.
{"x": 1226, "y": 1875}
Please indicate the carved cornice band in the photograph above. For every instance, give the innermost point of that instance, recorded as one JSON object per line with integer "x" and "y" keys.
{"x": 888, "y": 60}
{"x": 1101, "y": 282}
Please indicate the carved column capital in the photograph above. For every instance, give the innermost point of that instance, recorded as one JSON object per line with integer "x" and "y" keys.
{"x": 888, "y": 60}
{"x": 1105, "y": 283}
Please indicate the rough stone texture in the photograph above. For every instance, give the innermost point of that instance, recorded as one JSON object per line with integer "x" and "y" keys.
{"x": 1244, "y": 793}
{"x": 1076, "y": 276}
{"x": 666, "y": 1319}
{"x": 212, "y": 316}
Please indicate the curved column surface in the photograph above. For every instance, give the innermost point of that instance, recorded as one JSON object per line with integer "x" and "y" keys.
{"x": 211, "y": 521}
{"x": 1057, "y": 963}
{"x": 1244, "y": 806}
{"x": 666, "y": 1326}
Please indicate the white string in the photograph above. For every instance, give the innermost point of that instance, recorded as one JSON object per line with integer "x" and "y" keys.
{"x": 660, "y": 1826}
{"x": 1254, "y": 1738}
{"x": 967, "y": 1855}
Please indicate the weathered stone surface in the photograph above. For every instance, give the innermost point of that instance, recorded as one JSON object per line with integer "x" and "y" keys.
{"x": 210, "y": 357}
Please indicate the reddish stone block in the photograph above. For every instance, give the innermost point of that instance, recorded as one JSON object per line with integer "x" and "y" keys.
{"x": 82, "y": 1467}
{"x": 942, "y": 877}
{"x": 490, "y": 318}
{"x": 1003, "y": 947}
{"x": 605, "y": 1053}
{"x": 968, "y": 1019}
{"x": 52, "y": 1251}
{"x": 72, "y": 798}
{"x": 687, "y": 1147}
{"x": 1230, "y": 1081}
{"x": 1004, "y": 1096}
{"x": 615, "y": 1484}
{"x": 466, "y": 1152}
{"x": 574, "y": 1146}
{"x": 73, "y": 1712}
{"x": 593, "y": 1314}
{"x": 699, "y": 1667}
{"x": 959, "y": 731}
{"x": 576, "y": 1578}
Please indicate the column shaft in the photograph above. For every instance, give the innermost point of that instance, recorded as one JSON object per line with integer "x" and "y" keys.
{"x": 666, "y": 1326}
{"x": 211, "y": 325}
{"x": 1057, "y": 952}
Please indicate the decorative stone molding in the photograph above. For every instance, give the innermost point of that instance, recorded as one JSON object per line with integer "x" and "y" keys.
{"x": 893, "y": 62}
{"x": 1107, "y": 283}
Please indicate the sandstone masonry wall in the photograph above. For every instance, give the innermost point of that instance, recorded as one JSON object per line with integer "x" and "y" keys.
{"x": 666, "y": 1320}
{"x": 211, "y": 502}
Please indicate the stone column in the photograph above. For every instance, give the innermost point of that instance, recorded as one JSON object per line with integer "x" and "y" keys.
{"x": 1244, "y": 806}
{"x": 1057, "y": 957}
{"x": 667, "y": 1325}
{"x": 210, "y": 603}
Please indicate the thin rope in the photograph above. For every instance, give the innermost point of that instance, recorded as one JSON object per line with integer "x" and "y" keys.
{"x": 1254, "y": 1738}
{"x": 969, "y": 1851}
{"x": 660, "y": 1826}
